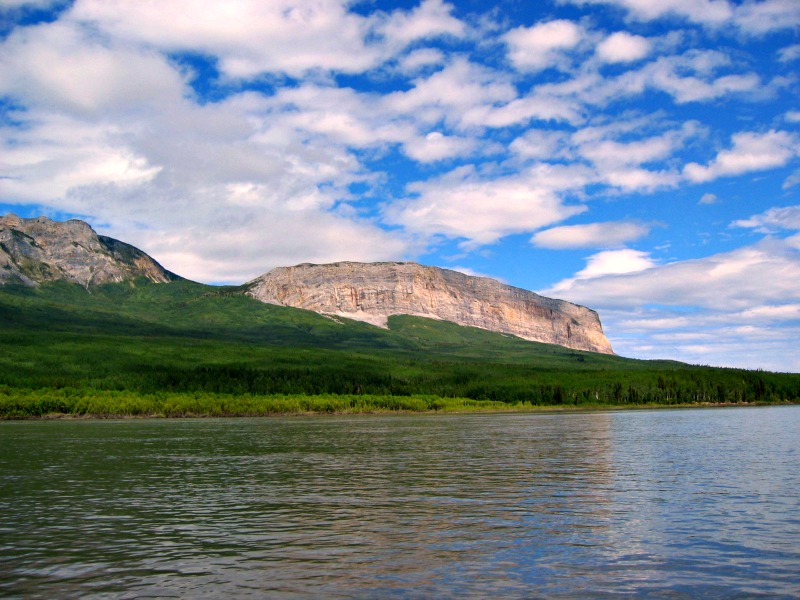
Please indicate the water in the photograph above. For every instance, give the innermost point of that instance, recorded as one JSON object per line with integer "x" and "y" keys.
{"x": 664, "y": 504}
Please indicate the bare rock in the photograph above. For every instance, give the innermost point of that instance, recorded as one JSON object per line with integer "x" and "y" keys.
{"x": 372, "y": 292}
{"x": 33, "y": 251}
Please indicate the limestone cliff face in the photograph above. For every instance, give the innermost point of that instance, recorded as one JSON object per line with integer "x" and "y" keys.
{"x": 372, "y": 292}
{"x": 33, "y": 251}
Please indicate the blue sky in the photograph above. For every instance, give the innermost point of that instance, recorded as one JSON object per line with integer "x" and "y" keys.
{"x": 640, "y": 157}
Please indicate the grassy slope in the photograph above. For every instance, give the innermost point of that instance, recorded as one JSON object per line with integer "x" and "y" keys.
{"x": 186, "y": 338}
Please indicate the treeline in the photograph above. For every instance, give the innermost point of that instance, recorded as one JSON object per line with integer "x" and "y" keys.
{"x": 70, "y": 402}
{"x": 231, "y": 389}
{"x": 182, "y": 349}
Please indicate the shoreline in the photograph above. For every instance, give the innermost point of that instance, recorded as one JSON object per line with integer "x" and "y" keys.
{"x": 508, "y": 409}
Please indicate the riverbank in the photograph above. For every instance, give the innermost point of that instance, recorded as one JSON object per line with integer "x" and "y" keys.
{"x": 100, "y": 404}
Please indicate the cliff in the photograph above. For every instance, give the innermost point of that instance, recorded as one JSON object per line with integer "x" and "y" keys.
{"x": 372, "y": 292}
{"x": 33, "y": 251}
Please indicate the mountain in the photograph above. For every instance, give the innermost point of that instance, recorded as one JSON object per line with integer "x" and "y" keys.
{"x": 184, "y": 348}
{"x": 33, "y": 251}
{"x": 372, "y": 292}
{"x": 39, "y": 250}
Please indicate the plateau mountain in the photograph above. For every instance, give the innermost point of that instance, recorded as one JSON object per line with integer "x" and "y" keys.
{"x": 39, "y": 250}
{"x": 372, "y": 292}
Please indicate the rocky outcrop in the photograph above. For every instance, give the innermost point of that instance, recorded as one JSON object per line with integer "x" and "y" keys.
{"x": 33, "y": 251}
{"x": 372, "y": 292}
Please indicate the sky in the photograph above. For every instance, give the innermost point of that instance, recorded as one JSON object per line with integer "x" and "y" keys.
{"x": 640, "y": 157}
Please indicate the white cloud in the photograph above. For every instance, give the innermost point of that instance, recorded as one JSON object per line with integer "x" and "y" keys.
{"x": 693, "y": 76}
{"x": 90, "y": 76}
{"x": 792, "y": 180}
{"x": 760, "y": 17}
{"x": 435, "y": 146}
{"x": 787, "y": 217}
{"x": 765, "y": 273}
{"x": 708, "y": 198}
{"x": 539, "y": 105}
{"x": 432, "y": 18}
{"x": 620, "y": 164}
{"x": 789, "y": 53}
{"x": 251, "y": 37}
{"x": 793, "y": 116}
{"x": 622, "y": 47}
{"x": 473, "y": 273}
{"x": 709, "y": 12}
{"x": 542, "y": 144}
{"x": 452, "y": 94}
{"x": 542, "y": 45}
{"x": 25, "y": 4}
{"x": 737, "y": 308}
{"x": 755, "y": 17}
{"x": 462, "y": 204}
{"x": 668, "y": 74}
{"x": 750, "y": 152}
{"x": 593, "y": 235}
{"x": 55, "y": 155}
{"x": 421, "y": 58}
{"x": 615, "y": 262}
{"x": 255, "y": 241}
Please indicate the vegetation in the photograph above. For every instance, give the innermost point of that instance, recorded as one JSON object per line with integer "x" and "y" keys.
{"x": 183, "y": 349}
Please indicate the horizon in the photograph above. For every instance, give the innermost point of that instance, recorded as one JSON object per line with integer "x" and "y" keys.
{"x": 637, "y": 157}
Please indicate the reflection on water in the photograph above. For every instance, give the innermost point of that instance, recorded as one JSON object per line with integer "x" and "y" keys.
{"x": 660, "y": 503}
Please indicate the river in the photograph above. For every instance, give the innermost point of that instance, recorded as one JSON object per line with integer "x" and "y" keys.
{"x": 659, "y": 503}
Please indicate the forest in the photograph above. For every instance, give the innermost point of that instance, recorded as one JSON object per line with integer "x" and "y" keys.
{"x": 187, "y": 349}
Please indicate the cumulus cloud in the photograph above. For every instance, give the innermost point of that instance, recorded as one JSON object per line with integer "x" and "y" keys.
{"x": 765, "y": 273}
{"x": 432, "y": 18}
{"x": 36, "y": 4}
{"x": 542, "y": 45}
{"x": 787, "y": 217}
{"x": 753, "y": 17}
{"x": 621, "y": 47}
{"x": 592, "y": 235}
{"x": 750, "y": 152}
{"x": 792, "y": 180}
{"x": 789, "y": 53}
{"x": 463, "y": 205}
{"x": 736, "y": 308}
{"x": 454, "y": 94}
{"x": 708, "y": 12}
{"x": 542, "y": 144}
{"x": 252, "y": 37}
{"x": 611, "y": 262}
{"x": 436, "y": 146}
{"x": 759, "y": 18}
{"x": 47, "y": 161}
{"x": 91, "y": 76}
{"x": 708, "y": 198}
{"x": 421, "y": 58}
{"x": 620, "y": 164}
{"x": 226, "y": 139}
{"x": 690, "y": 77}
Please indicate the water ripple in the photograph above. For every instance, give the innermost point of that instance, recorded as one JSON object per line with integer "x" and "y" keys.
{"x": 673, "y": 504}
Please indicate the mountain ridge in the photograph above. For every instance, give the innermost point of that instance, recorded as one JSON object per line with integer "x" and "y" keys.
{"x": 38, "y": 250}
{"x": 372, "y": 292}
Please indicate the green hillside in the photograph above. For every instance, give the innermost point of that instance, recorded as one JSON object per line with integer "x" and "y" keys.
{"x": 186, "y": 348}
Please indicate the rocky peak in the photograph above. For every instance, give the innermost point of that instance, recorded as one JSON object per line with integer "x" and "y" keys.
{"x": 372, "y": 292}
{"x": 36, "y": 250}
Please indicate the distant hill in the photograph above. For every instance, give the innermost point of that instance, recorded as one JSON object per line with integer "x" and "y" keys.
{"x": 93, "y": 326}
{"x": 34, "y": 251}
{"x": 372, "y": 292}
